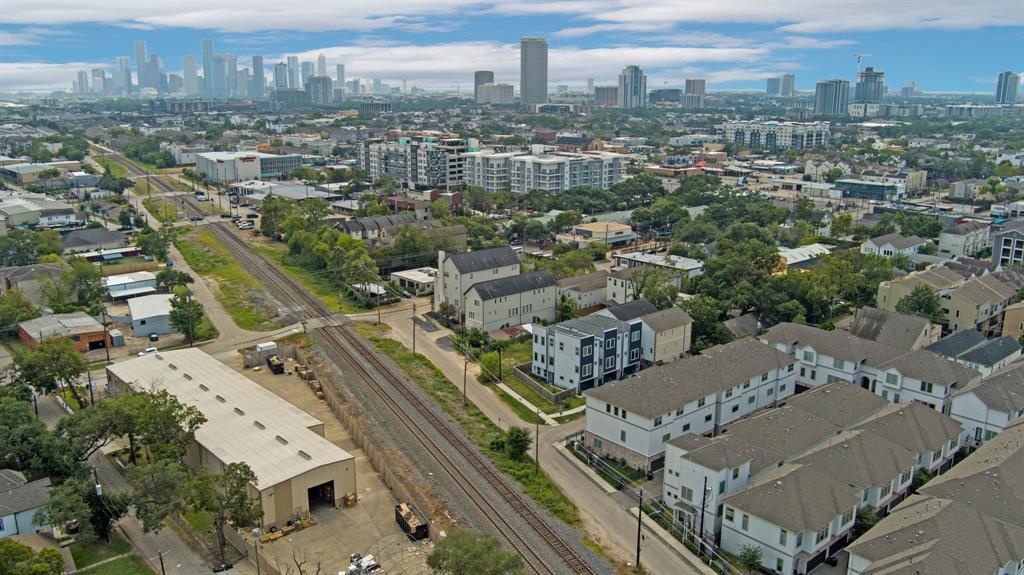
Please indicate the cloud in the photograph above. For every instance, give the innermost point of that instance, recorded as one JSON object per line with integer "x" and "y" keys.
{"x": 816, "y": 43}
{"x": 29, "y": 35}
{"x": 41, "y": 77}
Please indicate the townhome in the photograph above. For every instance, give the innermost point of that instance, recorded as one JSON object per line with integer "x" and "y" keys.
{"x": 966, "y": 521}
{"x": 988, "y": 407}
{"x": 624, "y": 283}
{"x": 894, "y": 329}
{"x": 586, "y": 291}
{"x": 585, "y": 352}
{"x": 1008, "y": 244}
{"x": 796, "y": 515}
{"x": 893, "y": 244}
{"x": 632, "y": 419}
{"x": 933, "y": 437}
{"x": 667, "y": 335}
{"x": 967, "y": 238}
{"x": 459, "y": 272}
{"x": 894, "y": 374}
{"x": 511, "y": 301}
{"x": 990, "y": 355}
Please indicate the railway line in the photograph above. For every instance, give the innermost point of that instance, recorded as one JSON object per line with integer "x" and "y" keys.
{"x": 438, "y": 438}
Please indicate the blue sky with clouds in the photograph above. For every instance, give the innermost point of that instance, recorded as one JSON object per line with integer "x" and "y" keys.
{"x": 944, "y": 45}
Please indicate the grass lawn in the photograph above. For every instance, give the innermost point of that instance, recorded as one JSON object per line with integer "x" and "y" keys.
{"x": 107, "y": 164}
{"x": 474, "y": 423}
{"x": 524, "y": 413}
{"x": 199, "y": 521}
{"x": 175, "y": 184}
{"x": 317, "y": 284}
{"x": 89, "y": 551}
{"x": 518, "y": 353}
{"x": 234, "y": 286}
{"x": 131, "y": 565}
{"x": 162, "y": 210}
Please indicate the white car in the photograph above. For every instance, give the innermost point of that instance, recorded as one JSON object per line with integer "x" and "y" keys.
{"x": 147, "y": 351}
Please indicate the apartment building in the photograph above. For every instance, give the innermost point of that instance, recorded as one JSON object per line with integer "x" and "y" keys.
{"x": 894, "y": 329}
{"x": 457, "y": 273}
{"x": 504, "y": 169}
{"x": 622, "y": 286}
{"x": 967, "y": 302}
{"x": 966, "y": 521}
{"x": 1008, "y": 244}
{"x": 974, "y": 351}
{"x": 586, "y": 291}
{"x": 632, "y": 419}
{"x": 429, "y": 161}
{"x": 991, "y": 405}
{"x": 585, "y": 352}
{"x": 511, "y": 301}
{"x": 896, "y": 375}
{"x": 775, "y": 135}
{"x": 490, "y": 169}
{"x": 893, "y": 244}
{"x": 689, "y": 267}
{"x": 965, "y": 239}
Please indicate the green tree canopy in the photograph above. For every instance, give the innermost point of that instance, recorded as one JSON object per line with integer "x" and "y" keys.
{"x": 467, "y": 553}
{"x": 923, "y": 300}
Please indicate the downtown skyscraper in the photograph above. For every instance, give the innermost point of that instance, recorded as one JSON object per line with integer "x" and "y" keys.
{"x": 141, "y": 59}
{"x": 870, "y": 86}
{"x": 190, "y": 77}
{"x": 533, "y": 70}
{"x": 258, "y": 81}
{"x": 206, "y": 47}
{"x": 1008, "y": 88}
{"x": 632, "y": 88}
{"x": 293, "y": 73}
{"x": 831, "y": 97}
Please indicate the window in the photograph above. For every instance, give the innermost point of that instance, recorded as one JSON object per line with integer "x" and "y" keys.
{"x": 721, "y": 487}
{"x": 886, "y": 490}
{"x": 609, "y": 362}
{"x": 735, "y": 408}
{"x": 657, "y": 421}
{"x": 608, "y": 407}
{"x": 634, "y": 354}
{"x": 799, "y": 540}
{"x": 770, "y": 391}
{"x": 686, "y": 427}
{"x": 666, "y": 437}
{"x": 821, "y": 536}
{"x": 926, "y": 387}
{"x": 783, "y": 536}
{"x": 838, "y": 363}
{"x": 736, "y": 473}
{"x": 635, "y": 336}
{"x": 803, "y": 372}
{"x": 686, "y": 493}
{"x": 610, "y": 344}
{"x": 809, "y": 356}
{"x": 622, "y": 435}
{"x": 588, "y": 370}
{"x": 751, "y": 399}
{"x": 847, "y": 518}
{"x": 790, "y": 367}
{"x": 780, "y": 565}
{"x": 892, "y": 379}
{"x": 707, "y": 418}
{"x": 561, "y": 346}
{"x": 729, "y": 514}
{"x": 598, "y": 444}
{"x": 745, "y": 523}
{"x": 728, "y": 392}
{"x": 701, "y": 401}
{"x": 905, "y": 477}
{"x": 764, "y": 377}
{"x": 588, "y": 350}
{"x": 746, "y": 385}
{"x": 781, "y": 388}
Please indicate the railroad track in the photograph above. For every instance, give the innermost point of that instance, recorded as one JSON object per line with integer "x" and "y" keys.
{"x": 424, "y": 424}
{"x": 434, "y": 435}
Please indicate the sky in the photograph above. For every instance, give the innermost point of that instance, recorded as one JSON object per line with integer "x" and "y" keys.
{"x": 943, "y": 45}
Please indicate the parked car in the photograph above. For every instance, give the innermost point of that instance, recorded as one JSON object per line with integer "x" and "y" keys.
{"x": 147, "y": 351}
{"x": 154, "y": 337}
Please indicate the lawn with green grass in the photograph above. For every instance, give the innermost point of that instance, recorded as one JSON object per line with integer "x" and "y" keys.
{"x": 518, "y": 353}
{"x": 163, "y": 210}
{"x": 130, "y": 565}
{"x": 524, "y": 413}
{"x": 234, "y": 288}
{"x": 481, "y": 430}
{"x": 317, "y": 284}
{"x": 109, "y": 165}
{"x": 91, "y": 550}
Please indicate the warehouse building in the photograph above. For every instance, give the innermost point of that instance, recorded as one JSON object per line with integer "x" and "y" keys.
{"x": 296, "y": 468}
{"x": 151, "y": 314}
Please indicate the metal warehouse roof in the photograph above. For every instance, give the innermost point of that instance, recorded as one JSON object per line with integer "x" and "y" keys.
{"x": 148, "y": 306}
{"x": 60, "y": 325}
{"x": 244, "y": 421}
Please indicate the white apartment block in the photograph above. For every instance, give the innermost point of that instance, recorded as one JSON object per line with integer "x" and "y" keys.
{"x": 777, "y": 135}
{"x": 987, "y": 408}
{"x": 632, "y": 419}
{"x": 511, "y": 301}
{"x": 489, "y": 169}
{"x": 457, "y": 273}
{"x": 964, "y": 239}
{"x": 415, "y": 162}
{"x": 497, "y": 94}
{"x": 521, "y": 172}
{"x": 894, "y": 374}
{"x": 585, "y": 352}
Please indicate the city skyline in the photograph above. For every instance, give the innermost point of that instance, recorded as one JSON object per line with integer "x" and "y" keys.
{"x": 731, "y": 48}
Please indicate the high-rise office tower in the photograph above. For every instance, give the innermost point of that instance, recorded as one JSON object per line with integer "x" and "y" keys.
{"x": 123, "y": 83}
{"x": 258, "y": 83}
{"x": 321, "y": 65}
{"x": 910, "y": 90}
{"x": 308, "y": 71}
{"x": 230, "y": 75}
{"x": 1008, "y": 87}
{"x": 831, "y": 97}
{"x": 83, "y": 82}
{"x": 481, "y": 77}
{"x": 590, "y": 85}
{"x": 175, "y": 85}
{"x": 339, "y": 70}
{"x": 632, "y": 88}
{"x": 154, "y": 73}
{"x": 774, "y": 86}
{"x": 280, "y": 76}
{"x": 190, "y": 79}
{"x": 293, "y": 72}
{"x": 533, "y": 70}
{"x": 320, "y": 90}
{"x": 788, "y": 88}
{"x": 140, "y": 62}
{"x": 99, "y": 80}
{"x": 218, "y": 74}
{"x": 693, "y": 95}
{"x": 870, "y": 86}
{"x": 606, "y": 96}
{"x": 377, "y": 87}
{"x": 207, "y": 54}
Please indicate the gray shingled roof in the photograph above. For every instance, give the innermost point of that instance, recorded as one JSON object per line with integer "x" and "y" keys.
{"x": 796, "y": 498}
{"x": 483, "y": 259}
{"x": 91, "y": 237}
{"x": 861, "y": 459}
{"x": 993, "y": 351}
{"x": 888, "y": 327}
{"x": 493, "y": 289}
{"x": 726, "y": 452}
{"x": 964, "y": 228}
{"x": 956, "y": 344}
{"x": 898, "y": 241}
{"x": 587, "y": 282}
{"x": 592, "y": 324}
{"x": 841, "y": 403}
{"x": 786, "y": 431}
{"x": 667, "y": 319}
{"x": 16, "y": 497}
{"x": 661, "y": 389}
{"x": 632, "y": 310}
{"x": 1002, "y": 391}
{"x": 915, "y": 426}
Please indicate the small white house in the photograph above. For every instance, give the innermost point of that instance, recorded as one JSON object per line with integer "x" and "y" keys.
{"x": 890, "y": 245}
{"x": 150, "y": 314}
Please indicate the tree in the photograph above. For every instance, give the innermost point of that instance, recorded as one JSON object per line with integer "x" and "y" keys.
{"x": 273, "y": 212}
{"x": 439, "y": 209}
{"x": 77, "y": 500}
{"x": 477, "y": 198}
{"x": 54, "y": 364}
{"x": 750, "y": 557}
{"x": 19, "y": 559}
{"x": 517, "y": 442}
{"x": 833, "y": 174}
{"x": 15, "y": 308}
{"x": 534, "y": 230}
{"x": 18, "y": 247}
{"x": 225, "y": 496}
{"x": 649, "y": 282}
{"x": 467, "y": 553}
{"x": 86, "y": 284}
{"x": 803, "y": 209}
{"x": 158, "y": 491}
{"x": 566, "y": 308}
{"x": 170, "y": 278}
{"x": 842, "y": 225}
{"x": 154, "y": 243}
{"x": 708, "y": 329}
{"x": 447, "y": 311}
{"x": 922, "y": 301}
{"x": 186, "y": 317}
{"x": 490, "y": 367}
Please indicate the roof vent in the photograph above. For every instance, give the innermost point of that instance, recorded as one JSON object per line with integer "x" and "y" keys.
{"x": 239, "y": 411}
{"x": 305, "y": 455}
{"x": 172, "y": 366}
{"x": 187, "y": 376}
{"x": 203, "y": 387}
{"x": 220, "y": 398}
{"x": 258, "y": 424}
{"x": 281, "y": 440}
{"x": 158, "y": 356}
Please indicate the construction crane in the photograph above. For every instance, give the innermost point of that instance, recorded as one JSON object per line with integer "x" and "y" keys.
{"x": 859, "y": 58}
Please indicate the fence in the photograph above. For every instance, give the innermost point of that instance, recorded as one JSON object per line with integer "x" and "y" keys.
{"x": 528, "y": 380}
{"x": 244, "y": 546}
{"x": 115, "y": 269}
{"x": 655, "y": 509}
{"x": 284, "y": 351}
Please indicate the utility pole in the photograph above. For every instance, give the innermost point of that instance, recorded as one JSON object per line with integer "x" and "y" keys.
{"x": 536, "y": 444}
{"x": 99, "y": 492}
{"x": 106, "y": 336}
{"x": 92, "y": 400}
{"x": 639, "y": 525}
{"x": 414, "y": 327}
{"x": 162, "y": 570}
{"x": 703, "y": 502}
{"x": 501, "y": 376}
{"x": 465, "y": 371}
